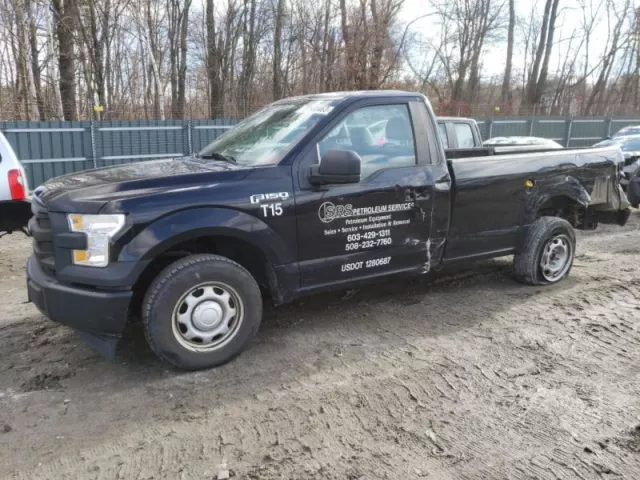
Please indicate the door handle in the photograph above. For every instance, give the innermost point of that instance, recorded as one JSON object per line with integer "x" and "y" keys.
{"x": 443, "y": 185}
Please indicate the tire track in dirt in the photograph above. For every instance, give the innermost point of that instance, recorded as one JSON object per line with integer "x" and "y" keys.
{"x": 466, "y": 381}
{"x": 472, "y": 377}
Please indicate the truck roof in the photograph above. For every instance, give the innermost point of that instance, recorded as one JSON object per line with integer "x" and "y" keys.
{"x": 340, "y": 96}
{"x": 456, "y": 119}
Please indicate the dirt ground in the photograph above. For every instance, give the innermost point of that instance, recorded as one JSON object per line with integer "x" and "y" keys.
{"x": 467, "y": 376}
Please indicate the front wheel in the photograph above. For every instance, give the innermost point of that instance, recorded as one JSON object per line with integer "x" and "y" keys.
{"x": 548, "y": 252}
{"x": 201, "y": 311}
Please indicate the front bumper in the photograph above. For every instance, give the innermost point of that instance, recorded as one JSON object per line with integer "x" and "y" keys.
{"x": 99, "y": 316}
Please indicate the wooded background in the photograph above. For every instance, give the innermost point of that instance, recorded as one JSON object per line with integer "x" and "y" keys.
{"x": 162, "y": 59}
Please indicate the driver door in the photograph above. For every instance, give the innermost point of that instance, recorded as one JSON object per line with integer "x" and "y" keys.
{"x": 380, "y": 225}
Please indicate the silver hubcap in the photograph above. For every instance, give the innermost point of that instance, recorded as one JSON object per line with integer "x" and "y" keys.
{"x": 556, "y": 258}
{"x": 207, "y": 316}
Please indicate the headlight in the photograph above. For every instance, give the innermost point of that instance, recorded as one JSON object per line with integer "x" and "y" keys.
{"x": 100, "y": 229}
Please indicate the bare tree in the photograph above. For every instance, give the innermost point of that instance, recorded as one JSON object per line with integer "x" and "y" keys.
{"x": 65, "y": 21}
{"x": 249, "y": 47}
{"x": 279, "y": 16}
{"x": 97, "y": 22}
{"x": 473, "y": 25}
{"x": 178, "y": 19}
{"x": 179, "y": 58}
{"x": 538, "y": 76}
{"x": 506, "y": 95}
{"x": 617, "y": 38}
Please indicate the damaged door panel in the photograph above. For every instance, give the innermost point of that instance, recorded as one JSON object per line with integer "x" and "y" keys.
{"x": 380, "y": 224}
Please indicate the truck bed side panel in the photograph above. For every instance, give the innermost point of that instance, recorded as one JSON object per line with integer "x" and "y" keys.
{"x": 492, "y": 204}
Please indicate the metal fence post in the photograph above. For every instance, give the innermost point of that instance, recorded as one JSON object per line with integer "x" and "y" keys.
{"x": 531, "y": 126}
{"x": 569, "y": 132}
{"x": 491, "y": 128}
{"x": 93, "y": 144}
{"x": 608, "y": 123}
{"x": 189, "y": 140}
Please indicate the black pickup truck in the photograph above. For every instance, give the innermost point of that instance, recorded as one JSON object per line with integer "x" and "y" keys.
{"x": 308, "y": 194}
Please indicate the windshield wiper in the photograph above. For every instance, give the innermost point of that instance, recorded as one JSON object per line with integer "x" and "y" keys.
{"x": 218, "y": 156}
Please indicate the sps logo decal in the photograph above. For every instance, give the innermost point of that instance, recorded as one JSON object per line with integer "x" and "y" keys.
{"x": 329, "y": 211}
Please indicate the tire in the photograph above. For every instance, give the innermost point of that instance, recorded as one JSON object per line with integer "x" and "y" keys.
{"x": 201, "y": 312}
{"x": 633, "y": 189}
{"x": 548, "y": 238}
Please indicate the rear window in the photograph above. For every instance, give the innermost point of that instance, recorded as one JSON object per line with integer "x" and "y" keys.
{"x": 464, "y": 135}
{"x": 442, "y": 129}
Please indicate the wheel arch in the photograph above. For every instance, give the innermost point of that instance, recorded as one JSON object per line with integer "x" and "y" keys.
{"x": 176, "y": 228}
{"x": 245, "y": 253}
{"x": 564, "y": 198}
{"x": 235, "y": 235}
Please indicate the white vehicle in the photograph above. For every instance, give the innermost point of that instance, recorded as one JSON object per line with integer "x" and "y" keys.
{"x": 627, "y": 131}
{"x": 15, "y": 208}
{"x": 630, "y": 146}
{"x": 520, "y": 141}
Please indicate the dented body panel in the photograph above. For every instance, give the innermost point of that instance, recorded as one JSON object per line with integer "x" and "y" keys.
{"x": 299, "y": 237}
{"x": 493, "y": 206}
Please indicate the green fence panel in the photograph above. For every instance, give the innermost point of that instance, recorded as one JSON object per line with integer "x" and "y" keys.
{"x": 50, "y": 149}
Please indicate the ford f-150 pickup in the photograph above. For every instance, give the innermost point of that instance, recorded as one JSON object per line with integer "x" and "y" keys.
{"x": 306, "y": 195}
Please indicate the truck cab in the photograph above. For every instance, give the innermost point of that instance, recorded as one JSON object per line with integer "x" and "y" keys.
{"x": 459, "y": 132}
{"x": 311, "y": 193}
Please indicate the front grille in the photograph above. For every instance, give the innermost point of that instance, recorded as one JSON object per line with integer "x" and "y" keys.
{"x": 40, "y": 229}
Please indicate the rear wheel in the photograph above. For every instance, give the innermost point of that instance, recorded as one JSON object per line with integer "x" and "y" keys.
{"x": 201, "y": 311}
{"x": 548, "y": 253}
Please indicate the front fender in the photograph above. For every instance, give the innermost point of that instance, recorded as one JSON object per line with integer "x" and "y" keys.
{"x": 193, "y": 223}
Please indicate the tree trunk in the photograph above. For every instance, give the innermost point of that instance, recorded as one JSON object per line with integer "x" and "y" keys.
{"x": 154, "y": 67}
{"x": 544, "y": 71}
{"x": 213, "y": 65}
{"x": 534, "y": 75}
{"x": 30, "y": 100}
{"x": 17, "y": 77}
{"x": 64, "y": 28}
{"x": 248, "y": 56}
{"x": 35, "y": 62}
{"x": 277, "y": 51}
{"x": 325, "y": 70}
{"x": 506, "y": 82}
{"x": 378, "y": 46}
{"x": 173, "y": 8}
{"x": 182, "y": 71}
{"x": 57, "y": 113}
{"x": 361, "y": 77}
{"x": 346, "y": 37}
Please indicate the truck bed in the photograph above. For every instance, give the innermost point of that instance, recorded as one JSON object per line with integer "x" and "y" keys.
{"x": 486, "y": 188}
{"x": 456, "y": 153}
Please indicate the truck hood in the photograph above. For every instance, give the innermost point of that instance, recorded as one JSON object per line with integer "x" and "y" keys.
{"x": 88, "y": 191}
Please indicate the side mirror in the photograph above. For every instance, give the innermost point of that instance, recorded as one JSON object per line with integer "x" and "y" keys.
{"x": 337, "y": 166}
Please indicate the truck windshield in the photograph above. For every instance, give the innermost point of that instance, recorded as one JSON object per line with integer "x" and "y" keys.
{"x": 265, "y": 137}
